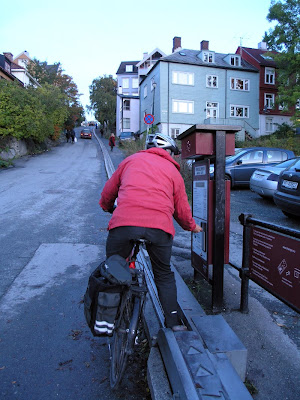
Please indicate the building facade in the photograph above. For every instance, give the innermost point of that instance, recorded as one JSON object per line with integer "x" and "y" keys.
{"x": 129, "y": 75}
{"x": 271, "y": 112}
{"x": 127, "y": 109}
{"x": 201, "y": 86}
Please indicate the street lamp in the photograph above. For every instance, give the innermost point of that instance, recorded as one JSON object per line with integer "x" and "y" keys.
{"x": 154, "y": 86}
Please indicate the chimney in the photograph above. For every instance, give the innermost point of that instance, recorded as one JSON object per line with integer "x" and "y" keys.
{"x": 204, "y": 45}
{"x": 145, "y": 55}
{"x": 9, "y": 56}
{"x": 262, "y": 46}
{"x": 176, "y": 43}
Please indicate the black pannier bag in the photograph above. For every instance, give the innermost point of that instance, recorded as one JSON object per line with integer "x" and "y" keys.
{"x": 103, "y": 294}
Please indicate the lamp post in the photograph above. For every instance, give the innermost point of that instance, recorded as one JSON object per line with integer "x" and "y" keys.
{"x": 154, "y": 86}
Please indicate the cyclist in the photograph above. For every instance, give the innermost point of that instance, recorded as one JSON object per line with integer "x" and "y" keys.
{"x": 150, "y": 192}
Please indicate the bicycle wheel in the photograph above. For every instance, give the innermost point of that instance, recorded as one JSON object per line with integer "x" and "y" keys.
{"x": 123, "y": 339}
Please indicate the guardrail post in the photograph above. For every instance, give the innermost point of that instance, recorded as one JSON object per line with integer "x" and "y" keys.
{"x": 245, "y": 264}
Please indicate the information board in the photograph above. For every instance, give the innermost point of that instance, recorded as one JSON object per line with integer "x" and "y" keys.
{"x": 274, "y": 263}
{"x": 200, "y": 214}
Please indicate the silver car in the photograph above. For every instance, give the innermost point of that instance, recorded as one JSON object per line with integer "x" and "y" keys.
{"x": 265, "y": 179}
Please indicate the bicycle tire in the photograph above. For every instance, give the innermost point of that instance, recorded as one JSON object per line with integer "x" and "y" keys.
{"x": 123, "y": 339}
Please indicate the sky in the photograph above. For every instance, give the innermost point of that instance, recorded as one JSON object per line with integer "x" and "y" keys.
{"x": 91, "y": 38}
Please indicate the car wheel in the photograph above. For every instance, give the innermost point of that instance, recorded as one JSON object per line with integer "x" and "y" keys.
{"x": 289, "y": 214}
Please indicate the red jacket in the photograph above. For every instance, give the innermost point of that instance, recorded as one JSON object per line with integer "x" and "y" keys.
{"x": 150, "y": 191}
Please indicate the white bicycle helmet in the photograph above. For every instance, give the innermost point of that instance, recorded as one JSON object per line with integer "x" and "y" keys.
{"x": 164, "y": 142}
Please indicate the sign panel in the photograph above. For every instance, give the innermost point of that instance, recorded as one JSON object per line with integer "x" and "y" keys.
{"x": 200, "y": 214}
{"x": 274, "y": 263}
{"x": 149, "y": 119}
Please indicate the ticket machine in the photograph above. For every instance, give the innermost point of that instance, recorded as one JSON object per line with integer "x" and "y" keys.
{"x": 209, "y": 145}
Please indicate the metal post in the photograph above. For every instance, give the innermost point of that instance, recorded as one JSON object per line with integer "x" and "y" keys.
{"x": 154, "y": 86}
{"x": 245, "y": 264}
{"x": 219, "y": 222}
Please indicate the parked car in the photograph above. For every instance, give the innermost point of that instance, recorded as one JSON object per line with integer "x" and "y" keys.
{"x": 86, "y": 133}
{"x": 240, "y": 167}
{"x": 126, "y": 136}
{"x": 287, "y": 195}
{"x": 264, "y": 180}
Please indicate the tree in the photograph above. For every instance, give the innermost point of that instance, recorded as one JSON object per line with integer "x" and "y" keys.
{"x": 53, "y": 75}
{"x": 31, "y": 113}
{"x": 103, "y": 100}
{"x": 285, "y": 39}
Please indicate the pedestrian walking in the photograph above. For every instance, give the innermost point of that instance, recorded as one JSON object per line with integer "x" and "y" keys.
{"x": 112, "y": 141}
{"x": 68, "y": 135}
{"x": 102, "y": 132}
{"x": 72, "y": 132}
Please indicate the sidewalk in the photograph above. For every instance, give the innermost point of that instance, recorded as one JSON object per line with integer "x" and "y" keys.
{"x": 269, "y": 331}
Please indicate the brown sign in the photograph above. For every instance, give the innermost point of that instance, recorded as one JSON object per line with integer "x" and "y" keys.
{"x": 274, "y": 263}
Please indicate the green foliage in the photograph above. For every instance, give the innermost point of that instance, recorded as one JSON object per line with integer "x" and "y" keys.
{"x": 103, "y": 100}
{"x": 30, "y": 113}
{"x": 53, "y": 75}
{"x": 285, "y": 39}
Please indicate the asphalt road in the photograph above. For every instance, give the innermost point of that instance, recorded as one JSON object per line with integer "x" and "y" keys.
{"x": 245, "y": 201}
{"x": 53, "y": 235}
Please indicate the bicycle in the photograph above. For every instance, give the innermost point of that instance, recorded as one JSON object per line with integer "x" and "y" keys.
{"x": 128, "y": 317}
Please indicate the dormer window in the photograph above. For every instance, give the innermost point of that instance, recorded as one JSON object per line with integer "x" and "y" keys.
{"x": 208, "y": 56}
{"x": 235, "y": 61}
{"x": 129, "y": 68}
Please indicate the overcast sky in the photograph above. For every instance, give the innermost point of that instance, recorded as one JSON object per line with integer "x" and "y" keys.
{"x": 91, "y": 38}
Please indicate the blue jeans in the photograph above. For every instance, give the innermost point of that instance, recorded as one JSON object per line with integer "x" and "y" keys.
{"x": 119, "y": 241}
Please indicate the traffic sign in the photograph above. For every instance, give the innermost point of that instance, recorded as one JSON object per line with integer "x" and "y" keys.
{"x": 149, "y": 119}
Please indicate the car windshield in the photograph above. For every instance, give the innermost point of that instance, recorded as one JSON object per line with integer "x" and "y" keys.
{"x": 287, "y": 163}
{"x": 238, "y": 152}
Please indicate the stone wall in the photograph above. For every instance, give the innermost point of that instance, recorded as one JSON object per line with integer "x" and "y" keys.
{"x": 11, "y": 148}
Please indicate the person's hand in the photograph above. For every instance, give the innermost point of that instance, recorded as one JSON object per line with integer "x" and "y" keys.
{"x": 197, "y": 229}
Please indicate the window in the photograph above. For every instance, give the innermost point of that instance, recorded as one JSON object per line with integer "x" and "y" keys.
{"x": 125, "y": 83}
{"x": 235, "y": 61}
{"x": 211, "y": 81}
{"x": 145, "y": 91}
{"x": 183, "y": 106}
{"x": 183, "y": 78}
{"x": 270, "y": 76}
{"x": 135, "y": 83}
{"x": 175, "y": 132}
{"x": 212, "y": 110}
{"x": 275, "y": 156}
{"x": 269, "y": 100}
{"x": 252, "y": 157}
{"x": 126, "y": 105}
{"x": 129, "y": 68}
{"x": 239, "y": 111}
{"x": 7, "y": 67}
{"x": 126, "y": 123}
{"x": 208, "y": 56}
{"x": 239, "y": 84}
{"x": 269, "y": 125}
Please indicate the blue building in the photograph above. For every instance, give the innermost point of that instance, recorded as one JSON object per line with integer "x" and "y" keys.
{"x": 201, "y": 86}
{"x": 129, "y": 75}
